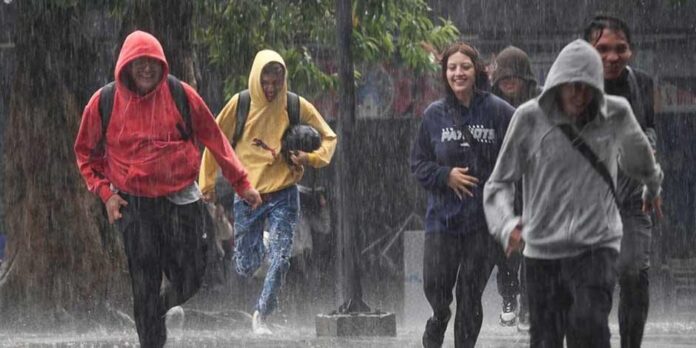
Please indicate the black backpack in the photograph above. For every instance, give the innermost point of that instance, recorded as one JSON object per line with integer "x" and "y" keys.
{"x": 106, "y": 105}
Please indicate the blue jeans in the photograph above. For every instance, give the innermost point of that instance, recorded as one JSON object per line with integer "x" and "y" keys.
{"x": 280, "y": 211}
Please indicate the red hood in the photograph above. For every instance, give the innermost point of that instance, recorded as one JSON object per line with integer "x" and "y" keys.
{"x": 139, "y": 44}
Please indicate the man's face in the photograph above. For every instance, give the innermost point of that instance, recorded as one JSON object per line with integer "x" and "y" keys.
{"x": 575, "y": 97}
{"x": 614, "y": 50}
{"x": 511, "y": 87}
{"x": 146, "y": 73}
{"x": 271, "y": 84}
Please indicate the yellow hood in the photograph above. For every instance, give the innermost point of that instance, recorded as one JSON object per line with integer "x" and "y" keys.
{"x": 258, "y": 100}
{"x": 267, "y": 121}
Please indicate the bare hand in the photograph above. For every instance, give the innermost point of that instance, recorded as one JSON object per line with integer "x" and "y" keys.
{"x": 459, "y": 181}
{"x": 655, "y": 205}
{"x": 299, "y": 158}
{"x": 219, "y": 211}
{"x": 515, "y": 243}
{"x": 252, "y": 197}
{"x": 113, "y": 207}
{"x": 209, "y": 197}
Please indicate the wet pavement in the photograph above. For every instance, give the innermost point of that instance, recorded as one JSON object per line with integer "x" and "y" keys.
{"x": 660, "y": 335}
{"x": 673, "y": 331}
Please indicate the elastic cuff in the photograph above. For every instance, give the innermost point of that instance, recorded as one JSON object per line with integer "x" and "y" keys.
{"x": 507, "y": 231}
{"x": 443, "y": 176}
{"x": 313, "y": 159}
{"x": 104, "y": 192}
{"x": 242, "y": 186}
{"x": 650, "y": 195}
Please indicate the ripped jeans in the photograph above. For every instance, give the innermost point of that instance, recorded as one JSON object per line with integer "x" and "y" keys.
{"x": 279, "y": 212}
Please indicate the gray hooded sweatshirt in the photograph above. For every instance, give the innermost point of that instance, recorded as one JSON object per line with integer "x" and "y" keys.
{"x": 568, "y": 208}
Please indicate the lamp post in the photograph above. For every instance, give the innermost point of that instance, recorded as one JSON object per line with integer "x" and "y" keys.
{"x": 353, "y": 317}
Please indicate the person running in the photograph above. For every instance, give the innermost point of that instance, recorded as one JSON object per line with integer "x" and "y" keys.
{"x": 612, "y": 39}
{"x": 513, "y": 80}
{"x": 455, "y": 150}
{"x": 276, "y": 177}
{"x": 142, "y": 161}
{"x": 566, "y": 146}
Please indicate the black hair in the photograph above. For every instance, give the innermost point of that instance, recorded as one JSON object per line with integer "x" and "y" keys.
{"x": 601, "y": 22}
{"x": 273, "y": 68}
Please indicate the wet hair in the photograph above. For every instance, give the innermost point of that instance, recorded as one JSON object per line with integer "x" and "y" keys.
{"x": 481, "y": 82}
{"x": 599, "y": 23}
{"x": 273, "y": 68}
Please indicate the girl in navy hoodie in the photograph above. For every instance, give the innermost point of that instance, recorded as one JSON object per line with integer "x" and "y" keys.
{"x": 454, "y": 153}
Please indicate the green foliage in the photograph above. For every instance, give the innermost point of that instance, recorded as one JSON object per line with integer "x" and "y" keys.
{"x": 304, "y": 31}
{"x": 397, "y": 29}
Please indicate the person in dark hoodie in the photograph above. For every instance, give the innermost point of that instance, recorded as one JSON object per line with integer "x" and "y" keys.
{"x": 566, "y": 146}
{"x": 512, "y": 79}
{"x": 455, "y": 150}
{"x": 612, "y": 39}
{"x": 144, "y": 169}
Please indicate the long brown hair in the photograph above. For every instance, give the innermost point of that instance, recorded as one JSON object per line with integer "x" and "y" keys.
{"x": 481, "y": 82}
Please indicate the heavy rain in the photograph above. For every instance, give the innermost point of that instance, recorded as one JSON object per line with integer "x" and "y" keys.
{"x": 408, "y": 203}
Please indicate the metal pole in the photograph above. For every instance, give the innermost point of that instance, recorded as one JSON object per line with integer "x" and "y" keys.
{"x": 348, "y": 282}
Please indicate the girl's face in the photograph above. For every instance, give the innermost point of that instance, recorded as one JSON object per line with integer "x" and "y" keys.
{"x": 461, "y": 75}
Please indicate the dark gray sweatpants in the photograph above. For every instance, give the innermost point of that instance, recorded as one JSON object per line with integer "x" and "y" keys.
{"x": 633, "y": 265}
{"x": 162, "y": 238}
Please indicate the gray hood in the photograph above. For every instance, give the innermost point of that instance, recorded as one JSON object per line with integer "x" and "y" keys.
{"x": 577, "y": 62}
{"x": 568, "y": 208}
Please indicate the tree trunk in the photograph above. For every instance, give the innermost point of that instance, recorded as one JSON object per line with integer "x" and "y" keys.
{"x": 63, "y": 262}
{"x": 170, "y": 22}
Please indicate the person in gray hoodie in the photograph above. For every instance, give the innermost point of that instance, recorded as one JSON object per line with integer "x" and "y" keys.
{"x": 566, "y": 146}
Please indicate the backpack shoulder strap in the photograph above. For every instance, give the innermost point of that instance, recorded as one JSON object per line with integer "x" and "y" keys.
{"x": 106, "y": 104}
{"x": 585, "y": 150}
{"x": 181, "y": 101}
{"x": 636, "y": 96}
{"x": 242, "y": 112}
{"x": 293, "y": 108}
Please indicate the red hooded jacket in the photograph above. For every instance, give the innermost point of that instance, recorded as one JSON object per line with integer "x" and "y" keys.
{"x": 145, "y": 154}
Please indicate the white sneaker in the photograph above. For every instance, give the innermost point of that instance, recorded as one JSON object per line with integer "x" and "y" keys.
{"x": 258, "y": 325}
{"x": 174, "y": 319}
{"x": 523, "y": 322}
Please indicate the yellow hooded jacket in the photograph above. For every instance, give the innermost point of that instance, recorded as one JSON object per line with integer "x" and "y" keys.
{"x": 267, "y": 121}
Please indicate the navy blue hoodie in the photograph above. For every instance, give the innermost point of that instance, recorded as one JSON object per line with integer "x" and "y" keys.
{"x": 441, "y": 145}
